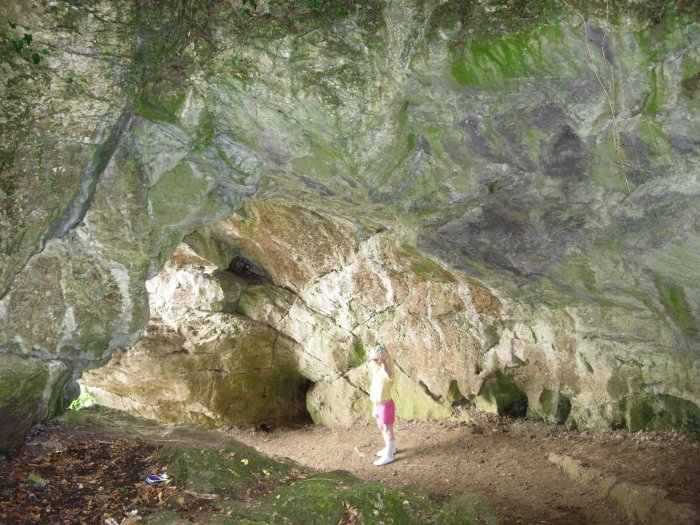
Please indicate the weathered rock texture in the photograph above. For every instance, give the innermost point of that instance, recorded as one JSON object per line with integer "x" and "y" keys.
{"x": 199, "y": 360}
{"x": 506, "y": 196}
{"x": 638, "y": 503}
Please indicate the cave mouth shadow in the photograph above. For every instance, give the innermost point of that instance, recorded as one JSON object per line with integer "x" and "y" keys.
{"x": 246, "y": 270}
{"x": 516, "y": 410}
{"x": 299, "y": 420}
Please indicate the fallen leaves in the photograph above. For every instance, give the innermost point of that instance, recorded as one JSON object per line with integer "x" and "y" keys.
{"x": 83, "y": 479}
{"x": 198, "y": 495}
{"x": 297, "y": 474}
{"x": 350, "y": 516}
{"x": 86, "y": 482}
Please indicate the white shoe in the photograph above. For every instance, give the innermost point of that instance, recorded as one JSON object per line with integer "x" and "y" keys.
{"x": 383, "y": 451}
{"x": 384, "y": 460}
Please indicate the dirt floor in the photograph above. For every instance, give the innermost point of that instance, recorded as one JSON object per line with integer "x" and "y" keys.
{"x": 507, "y": 460}
{"x": 88, "y": 474}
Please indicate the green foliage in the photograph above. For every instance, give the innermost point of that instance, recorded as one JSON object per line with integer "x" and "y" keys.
{"x": 466, "y": 20}
{"x": 35, "y": 480}
{"x": 71, "y": 77}
{"x": 297, "y": 5}
{"x": 23, "y": 46}
{"x": 84, "y": 400}
{"x": 249, "y": 10}
{"x": 298, "y": 13}
{"x": 240, "y": 66}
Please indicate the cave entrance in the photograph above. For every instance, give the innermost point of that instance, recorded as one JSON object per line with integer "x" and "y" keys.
{"x": 297, "y": 418}
{"x": 246, "y": 270}
{"x": 300, "y": 395}
{"x": 214, "y": 353}
{"x": 500, "y": 394}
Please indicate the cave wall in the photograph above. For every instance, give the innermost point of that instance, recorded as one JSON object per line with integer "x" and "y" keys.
{"x": 547, "y": 156}
{"x": 331, "y": 287}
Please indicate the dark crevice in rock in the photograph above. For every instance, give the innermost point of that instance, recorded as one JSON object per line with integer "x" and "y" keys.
{"x": 597, "y": 36}
{"x": 457, "y": 399}
{"x": 518, "y": 409}
{"x": 301, "y": 394}
{"x": 182, "y": 351}
{"x": 246, "y": 270}
{"x": 555, "y": 406}
{"x": 434, "y": 397}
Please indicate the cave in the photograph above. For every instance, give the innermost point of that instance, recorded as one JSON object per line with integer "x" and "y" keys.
{"x": 500, "y": 394}
{"x": 212, "y": 211}
{"x": 245, "y": 269}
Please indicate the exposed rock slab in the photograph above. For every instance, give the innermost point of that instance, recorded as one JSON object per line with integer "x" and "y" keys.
{"x": 644, "y": 504}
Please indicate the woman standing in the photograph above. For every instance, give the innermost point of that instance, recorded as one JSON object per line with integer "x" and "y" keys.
{"x": 383, "y": 404}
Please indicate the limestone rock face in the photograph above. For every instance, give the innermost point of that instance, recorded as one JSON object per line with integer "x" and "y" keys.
{"x": 504, "y": 195}
{"x": 453, "y": 340}
{"x": 199, "y": 360}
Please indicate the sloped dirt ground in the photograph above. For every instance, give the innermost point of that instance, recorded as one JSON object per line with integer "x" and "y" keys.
{"x": 505, "y": 460}
{"x": 94, "y": 470}
{"x": 99, "y": 474}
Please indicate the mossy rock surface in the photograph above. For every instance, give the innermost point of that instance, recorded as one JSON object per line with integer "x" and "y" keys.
{"x": 21, "y": 385}
{"x": 340, "y": 497}
{"x": 226, "y": 471}
{"x": 660, "y": 412}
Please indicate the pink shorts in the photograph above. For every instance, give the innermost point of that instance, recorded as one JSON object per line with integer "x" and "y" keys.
{"x": 384, "y": 412}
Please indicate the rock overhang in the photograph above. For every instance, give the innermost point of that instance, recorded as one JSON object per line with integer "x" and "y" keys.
{"x": 494, "y": 154}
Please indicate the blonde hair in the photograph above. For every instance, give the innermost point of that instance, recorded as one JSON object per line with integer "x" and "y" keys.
{"x": 378, "y": 351}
